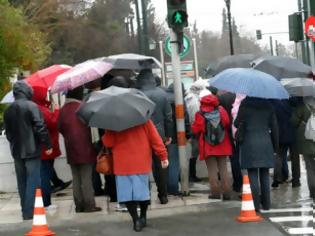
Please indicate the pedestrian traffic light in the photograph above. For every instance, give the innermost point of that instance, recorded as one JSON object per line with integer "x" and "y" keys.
{"x": 177, "y": 17}
{"x": 258, "y": 34}
{"x": 296, "y": 27}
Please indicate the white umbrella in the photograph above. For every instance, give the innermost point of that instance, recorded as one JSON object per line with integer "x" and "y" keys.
{"x": 8, "y": 98}
{"x": 299, "y": 87}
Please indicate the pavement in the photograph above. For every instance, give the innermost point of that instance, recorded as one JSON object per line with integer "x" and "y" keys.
{"x": 291, "y": 214}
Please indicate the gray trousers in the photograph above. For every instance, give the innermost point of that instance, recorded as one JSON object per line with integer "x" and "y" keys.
{"x": 83, "y": 192}
{"x": 310, "y": 170}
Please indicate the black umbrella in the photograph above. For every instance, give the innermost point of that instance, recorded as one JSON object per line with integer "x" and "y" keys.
{"x": 116, "y": 109}
{"x": 235, "y": 61}
{"x": 282, "y": 67}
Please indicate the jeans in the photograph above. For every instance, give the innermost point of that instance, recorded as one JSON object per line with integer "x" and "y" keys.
{"x": 160, "y": 177}
{"x": 28, "y": 179}
{"x": 46, "y": 172}
{"x": 281, "y": 170}
{"x": 260, "y": 186}
{"x": 173, "y": 169}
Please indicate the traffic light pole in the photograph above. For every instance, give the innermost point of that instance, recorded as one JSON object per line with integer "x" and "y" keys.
{"x": 311, "y": 43}
{"x": 180, "y": 115}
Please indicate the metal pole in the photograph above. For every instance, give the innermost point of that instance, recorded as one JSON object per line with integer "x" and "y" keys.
{"x": 139, "y": 31}
{"x": 296, "y": 50}
{"x": 145, "y": 27}
{"x": 311, "y": 43}
{"x": 271, "y": 45}
{"x": 132, "y": 27}
{"x": 163, "y": 63}
{"x": 277, "y": 48}
{"x": 180, "y": 122}
{"x": 196, "y": 59}
{"x": 228, "y": 6}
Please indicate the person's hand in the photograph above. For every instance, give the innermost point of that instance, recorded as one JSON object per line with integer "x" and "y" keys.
{"x": 49, "y": 151}
{"x": 164, "y": 164}
{"x": 189, "y": 140}
{"x": 168, "y": 141}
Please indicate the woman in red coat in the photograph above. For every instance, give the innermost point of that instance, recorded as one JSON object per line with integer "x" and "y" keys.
{"x": 47, "y": 163}
{"x": 132, "y": 155}
{"x": 214, "y": 155}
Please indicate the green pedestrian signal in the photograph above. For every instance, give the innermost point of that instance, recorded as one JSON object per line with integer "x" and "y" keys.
{"x": 177, "y": 17}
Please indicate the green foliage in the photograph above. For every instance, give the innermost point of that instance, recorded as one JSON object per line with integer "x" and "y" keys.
{"x": 22, "y": 45}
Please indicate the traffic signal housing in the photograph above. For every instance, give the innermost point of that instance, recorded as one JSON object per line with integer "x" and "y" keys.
{"x": 258, "y": 35}
{"x": 177, "y": 16}
{"x": 296, "y": 27}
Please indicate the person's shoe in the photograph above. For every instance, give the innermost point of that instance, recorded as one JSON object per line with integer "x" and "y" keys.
{"x": 100, "y": 192}
{"x": 214, "y": 196}
{"x": 143, "y": 222}
{"x": 79, "y": 209}
{"x": 296, "y": 184}
{"x": 61, "y": 187}
{"x": 163, "y": 200}
{"x": 194, "y": 179}
{"x": 137, "y": 226}
{"x": 275, "y": 185}
{"x": 226, "y": 197}
{"x": 28, "y": 218}
{"x": 94, "y": 209}
{"x": 121, "y": 208}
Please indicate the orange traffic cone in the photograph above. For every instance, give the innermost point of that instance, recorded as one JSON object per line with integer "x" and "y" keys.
{"x": 40, "y": 227}
{"x": 248, "y": 213}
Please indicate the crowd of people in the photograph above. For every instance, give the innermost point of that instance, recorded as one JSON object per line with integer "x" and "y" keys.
{"x": 254, "y": 134}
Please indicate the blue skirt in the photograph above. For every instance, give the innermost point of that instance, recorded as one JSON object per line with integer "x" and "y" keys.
{"x": 132, "y": 188}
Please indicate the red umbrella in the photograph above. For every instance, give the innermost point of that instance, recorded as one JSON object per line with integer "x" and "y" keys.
{"x": 46, "y": 77}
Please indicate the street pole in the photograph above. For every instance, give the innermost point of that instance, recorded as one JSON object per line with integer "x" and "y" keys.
{"x": 277, "y": 48}
{"x": 131, "y": 26}
{"x": 228, "y": 6}
{"x": 179, "y": 108}
{"x": 196, "y": 59}
{"x": 311, "y": 43}
{"x": 145, "y": 27}
{"x": 163, "y": 63}
{"x": 271, "y": 45}
{"x": 139, "y": 31}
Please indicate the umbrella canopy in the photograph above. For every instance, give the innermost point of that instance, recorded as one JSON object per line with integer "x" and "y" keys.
{"x": 116, "y": 109}
{"x": 299, "y": 87}
{"x": 234, "y": 61}
{"x": 46, "y": 77}
{"x": 8, "y": 98}
{"x": 282, "y": 67}
{"x": 131, "y": 61}
{"x": 249, "y": 82}
{"x": 81, "y": 74}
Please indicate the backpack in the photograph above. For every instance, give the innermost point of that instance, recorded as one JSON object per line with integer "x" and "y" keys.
{"x": 215, "y": 133}
{"x": 310, "y": 127}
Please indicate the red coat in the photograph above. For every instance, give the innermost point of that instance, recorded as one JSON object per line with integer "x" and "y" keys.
{"x": 51, "y": 121}
{"x": 208, "y": 104}
{"x": 77, "y": 136}
{"x": 132, "y": 148}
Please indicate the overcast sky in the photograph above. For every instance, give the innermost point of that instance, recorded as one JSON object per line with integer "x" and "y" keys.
{"x": 268, "y": 15}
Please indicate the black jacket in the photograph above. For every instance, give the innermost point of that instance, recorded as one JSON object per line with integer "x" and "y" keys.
{"x": 24, "y": 125}
{"x": 162, "y": 116}
{"x": 260, "y": 133}
{"x": 171, "y": 99}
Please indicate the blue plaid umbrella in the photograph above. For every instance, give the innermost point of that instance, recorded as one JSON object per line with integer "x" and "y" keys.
{"x": 250, "y": 82}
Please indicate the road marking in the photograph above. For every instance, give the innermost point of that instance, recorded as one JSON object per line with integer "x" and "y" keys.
{"x": 303, "y": 209}
{"x": 291, "y": 218}
{"x": 296, "y": 231}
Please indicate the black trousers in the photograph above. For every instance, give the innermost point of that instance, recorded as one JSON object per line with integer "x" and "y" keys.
{"x": 160, "y": 176}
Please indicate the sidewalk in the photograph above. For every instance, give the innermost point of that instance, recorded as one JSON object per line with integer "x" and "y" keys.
{"x": 63, "y": 206}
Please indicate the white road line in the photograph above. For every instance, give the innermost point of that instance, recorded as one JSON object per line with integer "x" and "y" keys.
{"x": 295, "y": 231}
{"x": 302, "y": 209}
{"x": 291, "y": 218}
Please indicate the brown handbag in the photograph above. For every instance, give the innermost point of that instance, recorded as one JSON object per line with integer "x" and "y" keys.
{"x": 104, "y": 164}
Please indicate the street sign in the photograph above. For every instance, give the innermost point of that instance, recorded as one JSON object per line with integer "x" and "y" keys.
{"x": 185, "y": 50}
{"x": 310, "y": 27}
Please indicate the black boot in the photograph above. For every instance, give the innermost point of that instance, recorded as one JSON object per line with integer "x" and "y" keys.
{"x": 132, "y": 209}
{"x": 143, "y": 214}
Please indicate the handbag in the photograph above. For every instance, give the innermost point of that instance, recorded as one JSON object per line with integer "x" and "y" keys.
{"x": 104, "y": 164}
